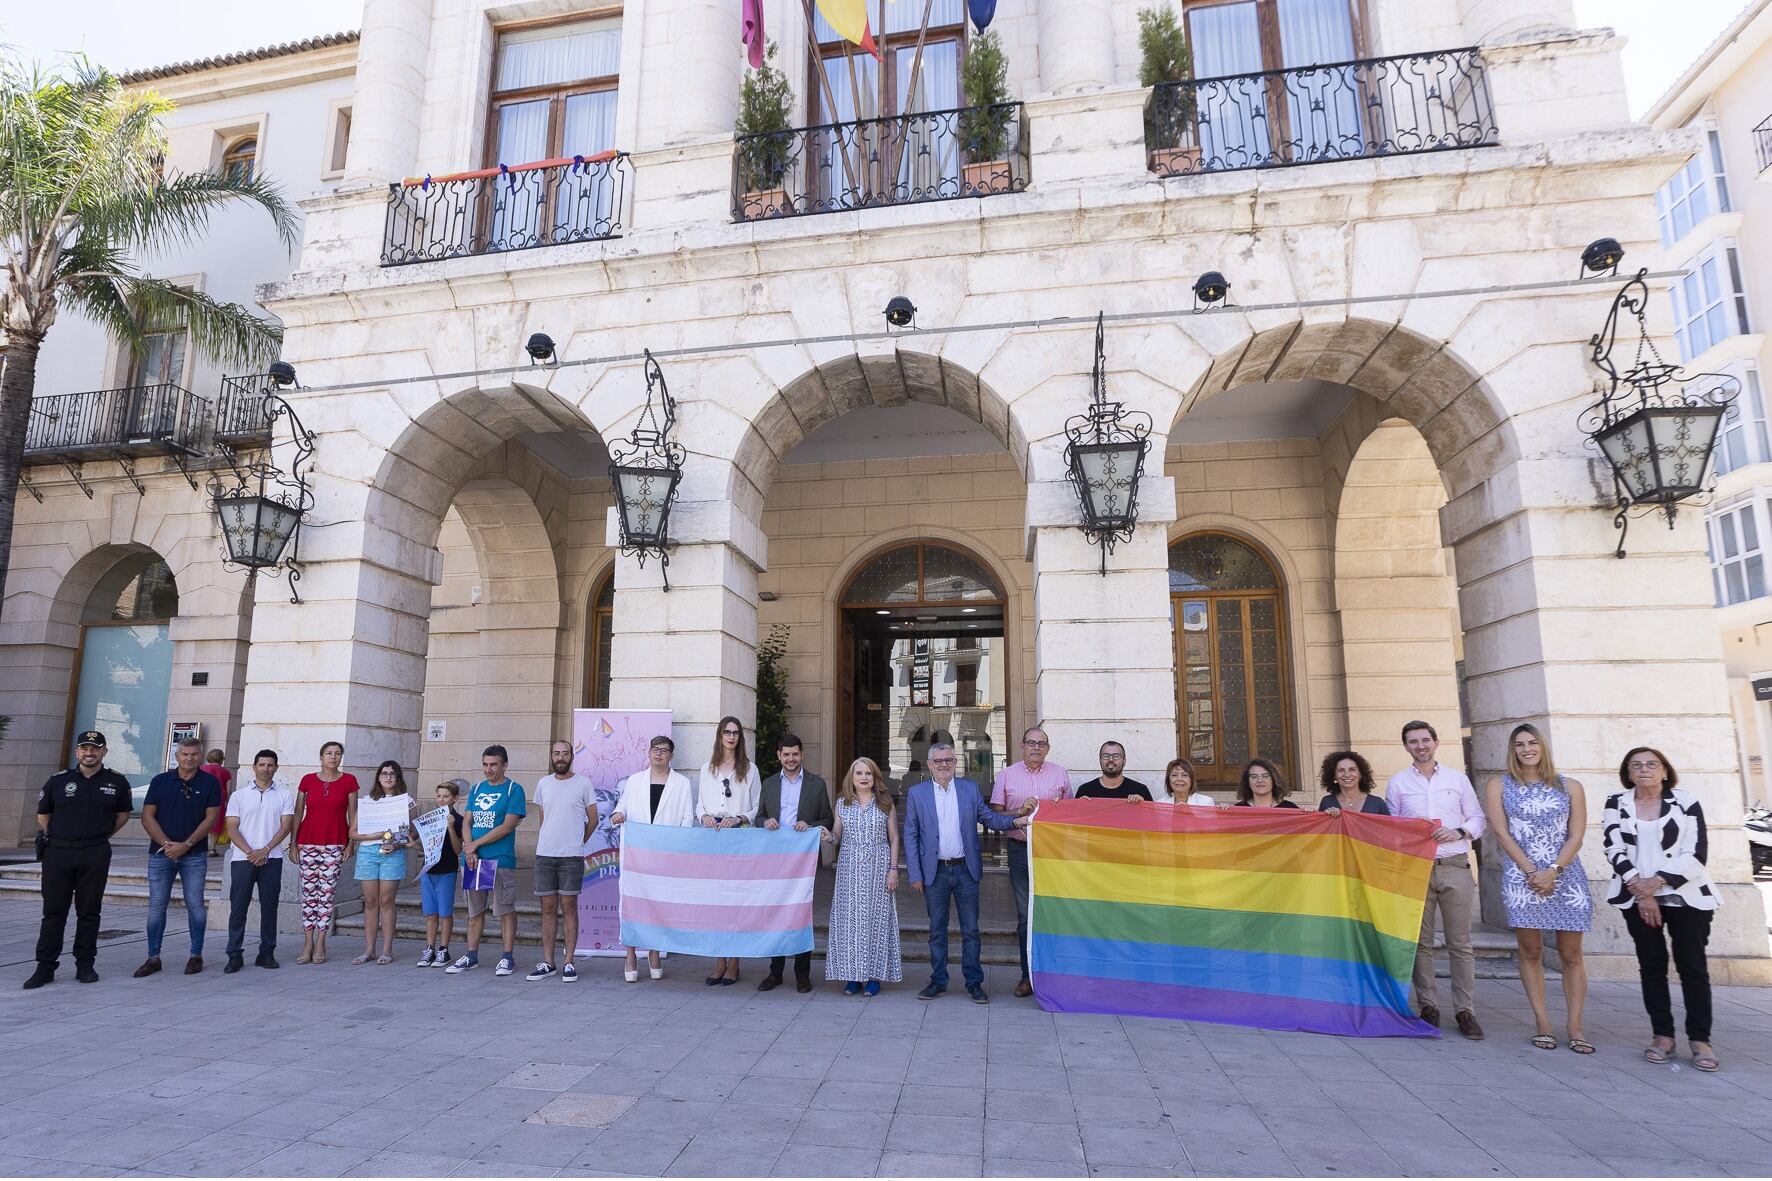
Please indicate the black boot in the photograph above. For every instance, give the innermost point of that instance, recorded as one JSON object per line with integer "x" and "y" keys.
{"x": 45, "y": 974}
{"x": 84, "y": 974}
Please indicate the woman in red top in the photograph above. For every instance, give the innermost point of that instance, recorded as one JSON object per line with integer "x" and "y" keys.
{"x": 325, "y": 814}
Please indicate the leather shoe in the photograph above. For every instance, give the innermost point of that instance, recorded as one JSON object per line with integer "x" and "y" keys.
{"x": 1431, "y": 1015}
{"x": 193, "y": 965}
{"x": 43, "y": 975}
{"x": 149, "y": 967}
{"x": 768, "y": 983}
{"x": 977, "y": 993}
{"x": 267, "y": 960}
{"x": 1024, "y": 989}
{"x": 1467, "y": 1025}
{"x": 931, "y": 992}
{"x": 85, "y": 974}
{"x": 235, "y": 963}
{"x": 803, "y": 985}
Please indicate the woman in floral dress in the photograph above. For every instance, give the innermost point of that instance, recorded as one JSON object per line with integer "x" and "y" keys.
{"x": 1538, "y": 818}
{"x": 863, "y": 943}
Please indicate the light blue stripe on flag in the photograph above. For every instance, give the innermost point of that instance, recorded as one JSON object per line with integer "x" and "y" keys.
{"x": 732, "y": 842}
{"x": 716, "y": 943}
{"x": 709, "y": 902}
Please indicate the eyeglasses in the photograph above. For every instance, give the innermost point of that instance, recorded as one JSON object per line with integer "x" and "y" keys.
{"x": 1034, "y": 742}
{"x": 732, "y": 733}
{"x": 1651, "y": 765}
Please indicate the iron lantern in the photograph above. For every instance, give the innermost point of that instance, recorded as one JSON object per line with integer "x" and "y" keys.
{"x": 1104, "y": 459}
{"x": 644, "y": 473}
{"x": 261, "y": 510}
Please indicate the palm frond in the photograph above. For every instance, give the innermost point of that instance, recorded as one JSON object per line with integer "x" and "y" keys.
{"x": 227, "y": 332}
{"x": 171, "y": 213}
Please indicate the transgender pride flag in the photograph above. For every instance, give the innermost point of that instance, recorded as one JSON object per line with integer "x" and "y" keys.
{"x": 717, "y": 892}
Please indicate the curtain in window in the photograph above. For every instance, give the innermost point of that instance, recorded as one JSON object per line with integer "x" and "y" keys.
{"x": 1232, "y": 112}
{"x": 842, "y": 160}
{"x": 931, "y": 147}
{"x": 584, "y": 202}
{"x": 1323, "y": 105}
{"x": 149, "y": 409}
{"x": 552, "y": 56}
{"x": 517, "y": 199}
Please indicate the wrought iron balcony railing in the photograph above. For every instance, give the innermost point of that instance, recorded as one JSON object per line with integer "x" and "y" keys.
{"x": 1763, "y": 143}
{"x": 1385, "y": 106}
{"x": 492, "y": 210}
{"x": 895, "y": 160}
{"x": 135, "y": 420}
{"x": 240, "y": 410}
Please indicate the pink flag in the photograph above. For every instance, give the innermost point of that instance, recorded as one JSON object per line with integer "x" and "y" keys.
{"x": 751, "y": 31}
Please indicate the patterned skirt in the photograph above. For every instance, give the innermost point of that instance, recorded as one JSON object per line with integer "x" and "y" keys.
{"x": 319, "y": 881}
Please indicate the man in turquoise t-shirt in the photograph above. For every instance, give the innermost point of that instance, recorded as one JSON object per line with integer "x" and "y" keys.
{"x": 496, "y": 806}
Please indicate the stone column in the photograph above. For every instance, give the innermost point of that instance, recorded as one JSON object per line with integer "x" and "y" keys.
{"x": 1076, "y": 45}
{"x": 390, "y": 91}
{"x": 1104, "y": 645}
{"x": 688, "y": 67}
{"x": 1488, "y": 21}
{"x": 1547, "y": 81}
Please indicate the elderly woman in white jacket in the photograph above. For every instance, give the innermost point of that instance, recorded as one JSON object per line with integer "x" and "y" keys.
{"x": 654, "y": 795}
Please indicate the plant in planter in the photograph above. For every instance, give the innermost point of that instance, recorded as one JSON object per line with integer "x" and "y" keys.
{"x": 1169, "y": 113}
{"x": 984, "y": 124}
{"x": 765, "y": 115}
{"x": 772, "y": 698}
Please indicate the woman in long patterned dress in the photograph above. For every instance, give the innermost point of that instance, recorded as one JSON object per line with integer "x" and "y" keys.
{"x": 1538, "y": 818}
{"x": 863, "y": 943}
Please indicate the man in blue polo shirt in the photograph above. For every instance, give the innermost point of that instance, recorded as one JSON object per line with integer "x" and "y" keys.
{"x": 496, "y": 806}
{"x": 180, "y": 813}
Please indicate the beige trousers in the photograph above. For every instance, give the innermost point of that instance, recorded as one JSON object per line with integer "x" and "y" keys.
{"x": 1453, "y": 894}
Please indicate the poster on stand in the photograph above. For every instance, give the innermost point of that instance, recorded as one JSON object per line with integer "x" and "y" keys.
{"x": 608, "y": 745}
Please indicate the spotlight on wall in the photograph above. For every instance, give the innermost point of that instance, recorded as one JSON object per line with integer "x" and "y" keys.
{"x": 282, "y": 374}
{"x": 901, "y": 312}
{"x": 1602, "y": 256}
{"x": 1210, "y": 288}
{"x": 540, "y": 349}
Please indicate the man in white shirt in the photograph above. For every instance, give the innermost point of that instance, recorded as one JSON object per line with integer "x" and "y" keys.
{"x": 260, "y": 817}
{"x": 796, "y": 798}
{"x": 568, "y": 805}
{"x": 1426, "y": 790}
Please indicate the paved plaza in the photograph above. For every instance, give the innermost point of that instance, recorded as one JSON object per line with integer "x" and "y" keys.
{"x": 380, "y": 1071}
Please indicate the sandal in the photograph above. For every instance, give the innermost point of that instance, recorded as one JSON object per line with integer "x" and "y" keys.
{"x": 361, "y": 960}
{"x": 306, "y": 957}
{"x": 1581, "y": 1045}
{"x": 1656, "y": 1054}
{"x": 384, "y": 959}
{"x": 1545, "y": 1041}
{"x": 1705, "y": 1062}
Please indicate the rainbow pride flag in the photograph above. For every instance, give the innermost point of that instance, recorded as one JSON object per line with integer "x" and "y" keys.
{"x": 1274, "y": 918}
{"x": 717, "y": 892}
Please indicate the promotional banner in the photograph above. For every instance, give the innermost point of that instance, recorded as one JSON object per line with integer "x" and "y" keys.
{"x": 1269, "y": 917}
{"x": 718, "y": 891}
{"x": 608, "y": 745}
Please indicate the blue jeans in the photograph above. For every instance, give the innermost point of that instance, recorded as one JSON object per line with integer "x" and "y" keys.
{"x": 191, "y": 870}
{"x": 956, "y": 884}
{"x": 1018, "y": 885}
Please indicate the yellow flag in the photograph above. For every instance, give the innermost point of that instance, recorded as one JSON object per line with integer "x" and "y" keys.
{"x": 850, "y": 19}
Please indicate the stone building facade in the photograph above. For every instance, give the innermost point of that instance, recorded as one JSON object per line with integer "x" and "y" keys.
{"x": 1367, "y": 497}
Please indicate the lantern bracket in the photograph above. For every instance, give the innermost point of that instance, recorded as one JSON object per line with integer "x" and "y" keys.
{"x": 1109, "y": 429}
{"x": 264, "y": 480}
{"x": 649, "y": 455}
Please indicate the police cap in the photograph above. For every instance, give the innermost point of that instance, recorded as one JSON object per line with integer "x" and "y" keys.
{"x": 90, "y": 738}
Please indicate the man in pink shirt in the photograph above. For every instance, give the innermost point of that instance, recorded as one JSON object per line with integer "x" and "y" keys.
{"x": 1032, "y": 779}
{"x": 1426, "y": 790}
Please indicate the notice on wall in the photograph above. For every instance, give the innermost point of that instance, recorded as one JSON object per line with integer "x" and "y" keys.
{"x": 608, "y": 745}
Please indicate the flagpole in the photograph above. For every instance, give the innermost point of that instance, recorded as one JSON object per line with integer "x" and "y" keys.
{"x": 830, "y": 97}
{"x": 916, "y": 72}
{"x": 855, "y": 97}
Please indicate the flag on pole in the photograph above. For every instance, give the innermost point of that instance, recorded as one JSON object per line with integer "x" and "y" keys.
{"x": 1279, "y": 919}
{"x": 720, "y": 892}
{"x": 751, "y": 31}
{"x": 982, "y": 13}
{"x": 850, "y": 19}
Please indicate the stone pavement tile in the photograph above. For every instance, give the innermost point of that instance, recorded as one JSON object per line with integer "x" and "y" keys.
{"x": 216, "y": 1156}
{"x": 1314, "y": 1157}
{"x": 307, "y": 1160}
{"x": 1226, "y": 1158}
{"x": 291, "y": 1120}
{"x": 1033, "y": 1142}
{"x": 650, "y": 1111}
{"x": 819, "y": 1160}
{"x": 1003, "y": 1167}
{"x": 1516, "y": 1133}
{"x": 552, "y": 1145}
{"x": 1419, "y": 1155}
{"x": 132, "y": 1147}
{"x": 917, "y": 1099}
{"x": 787, "y": 1092}
{"x": 848, "y": 1095}
{"x": 929, "y": 1164}
{"x": 1662, "y": 1166}
{"x": 582, "y": 1111}
{"x": 1538, "y": 1163}
{"x": 1022, "y": 1076}
{"x": 951, "y": 1135}
{"x": 762, "y": 1120}
{"x": 545, "y": 1076}
{"x": 715, "y": 1154}
{"x": 1181, "y": 1170}
{"x": 476, "y": 1168}
{"x": 39, "y": 1167}
{"x": 51, "y": 1136}
{"x": 682, "y": 1083}
{"x": 1123, "y": 1109}
{"x": 504, "y": 1103}
{"x": 611, "y": 1079}
{"x": 403, "y": 1164}
{"x": 1154, "y": 1148}
{"x": 460, "y": 1134}
{"x": 646, "y": 1152}
{"x": 375, "y": 1127}
{"x": 1028, "y": 1106}
{"x": 843, "y": 1129}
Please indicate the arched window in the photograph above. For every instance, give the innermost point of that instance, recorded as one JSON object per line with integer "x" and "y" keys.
{"x": 125, "y": 666}
{"x": 601, "y": 631}
{"x": 1233, "y": 684}
{"x": 240, "y": 161}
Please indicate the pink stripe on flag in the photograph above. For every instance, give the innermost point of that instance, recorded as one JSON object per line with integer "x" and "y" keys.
{"x": 721, "y": 866}
{"x": 685, "y": 916}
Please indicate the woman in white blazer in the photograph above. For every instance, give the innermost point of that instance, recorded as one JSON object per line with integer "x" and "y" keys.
{"x": 654, "y": 795}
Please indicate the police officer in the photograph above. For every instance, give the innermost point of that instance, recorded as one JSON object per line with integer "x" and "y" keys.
{"x": 77, "y": 810}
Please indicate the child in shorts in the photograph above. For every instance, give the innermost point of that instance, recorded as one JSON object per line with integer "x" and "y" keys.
{"x": 437, "y": 886}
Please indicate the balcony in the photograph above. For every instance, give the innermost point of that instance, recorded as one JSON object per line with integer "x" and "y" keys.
{"x": 115, "y": 424}
{"x": 240, "y": 411}
{"x": 1386, "y": 106}
{"x": 868, "y": 163}
{"x": 1763, "y": 146}
{"x": 494, "y": 210}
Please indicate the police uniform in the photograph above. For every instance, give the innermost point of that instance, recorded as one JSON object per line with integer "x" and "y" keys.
{"x": 82, "y": 811}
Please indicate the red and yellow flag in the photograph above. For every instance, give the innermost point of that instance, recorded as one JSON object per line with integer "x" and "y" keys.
{"x": 850, "y": 19}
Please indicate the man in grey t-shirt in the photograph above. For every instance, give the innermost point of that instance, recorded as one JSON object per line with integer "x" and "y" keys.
{"x": 568, "y": 807}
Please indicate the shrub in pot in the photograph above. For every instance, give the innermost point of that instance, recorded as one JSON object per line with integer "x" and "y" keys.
{"x": 1169, "y": 134}
{"x": 766, "y": 147}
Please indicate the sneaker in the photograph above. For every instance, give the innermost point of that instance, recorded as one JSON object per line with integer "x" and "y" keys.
{"x": 931, "y": 991}
{"x": 429, "y": 956}
{"x": 977, "y": 993}
{"x": 568, "y": 973}
{"x": 506, "y": 965}
{"x": 442, "y": 960}
{"x": 541, "y": 971}
{"x": 463, "y": 964}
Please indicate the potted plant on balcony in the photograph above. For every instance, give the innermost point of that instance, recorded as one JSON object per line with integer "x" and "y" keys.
{"x": 765, "y": 113}
{"x": 984, "y": 124}
{"x": 1168, "y": 113}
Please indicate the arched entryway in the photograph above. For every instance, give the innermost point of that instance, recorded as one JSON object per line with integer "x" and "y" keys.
{"x": 599, "y": 638}
{"x": 921, "y": 658}
{"x": 1233, "y": 680}
{"x": 125, "y": 666}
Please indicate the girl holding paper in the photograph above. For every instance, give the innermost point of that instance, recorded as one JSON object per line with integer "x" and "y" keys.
{"x": 383, "y": 833}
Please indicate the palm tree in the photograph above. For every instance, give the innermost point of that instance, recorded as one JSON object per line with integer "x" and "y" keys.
{"x": 83, "y": 194}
